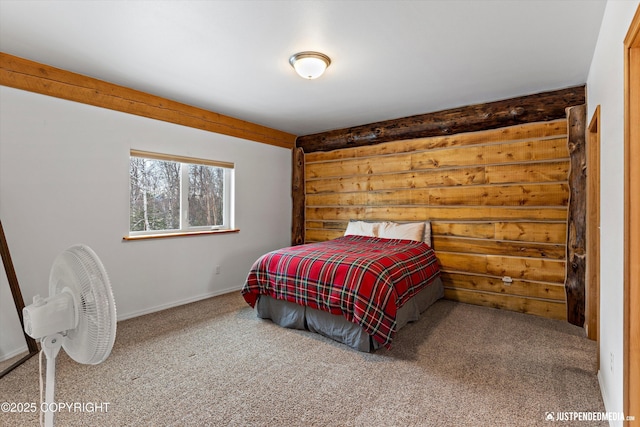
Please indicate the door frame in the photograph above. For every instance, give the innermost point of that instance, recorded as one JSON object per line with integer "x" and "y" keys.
{"x": 592, "y": 321}
{"x": 631, "y": 382}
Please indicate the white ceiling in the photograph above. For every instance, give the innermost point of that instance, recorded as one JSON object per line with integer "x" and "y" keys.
{"x": 390, "y": 59}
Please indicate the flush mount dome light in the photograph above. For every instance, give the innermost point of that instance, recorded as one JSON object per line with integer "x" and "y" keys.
{"x": 310, "y": 65}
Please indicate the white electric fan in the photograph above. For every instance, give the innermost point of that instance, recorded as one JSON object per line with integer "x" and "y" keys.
{"x": 79, "y": 314}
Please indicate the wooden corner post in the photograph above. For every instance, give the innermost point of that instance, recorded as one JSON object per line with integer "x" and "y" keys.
{"x": 577, "y": 218}
{"x": 298, "y": 196}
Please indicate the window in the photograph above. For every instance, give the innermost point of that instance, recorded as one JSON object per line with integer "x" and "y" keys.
{"x": 174, "y": 194}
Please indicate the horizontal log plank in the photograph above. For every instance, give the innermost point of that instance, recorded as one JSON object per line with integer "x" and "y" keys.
{"x": 527, "y": 172}
{"x": 532, "y": 232}
{"x": 497, "y": 174}
{"x": 498, "y": 195}
{"x": 434, "y": 213}
{"x": 526, "y": 109}
{"x": 501, "y": 195}
{"x": 317, "y": 224}
{"x": 391, "y": 181}
{"x": 541, "y": 232}
{"x": 496, "y": 285}
{"x": 332, "y": 225}
{"x": 463, "y": 262}
{"x": 368, "y": 166}
{"x": 516, "y": 152}
{"x": 539, "y": 307}
{"x": 322, "y": 234}
{"x": 481, "y": 230}
{"x": 531, "y": 131}
{"x": 513, "y": 152}
{"x": 499, "y": 247}
{"x": 542, "y": 270}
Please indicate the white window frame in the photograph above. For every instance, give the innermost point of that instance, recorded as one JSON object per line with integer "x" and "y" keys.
{"x": 228, "y": 194}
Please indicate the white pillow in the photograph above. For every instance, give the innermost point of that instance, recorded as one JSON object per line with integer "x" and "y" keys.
{"x": 409, "y": 231}
{"x": 427, "y": 233}
{"x": 362, "y": 228}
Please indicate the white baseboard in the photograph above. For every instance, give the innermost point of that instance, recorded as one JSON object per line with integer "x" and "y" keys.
{"x": 176, "y": 303}
{"x": 24, "y": 349}
{"x": 607, "y": 405}
{"x": 14, "y": 353}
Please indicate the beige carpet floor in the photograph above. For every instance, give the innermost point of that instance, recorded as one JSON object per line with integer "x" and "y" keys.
{"x": 213, "y": 363}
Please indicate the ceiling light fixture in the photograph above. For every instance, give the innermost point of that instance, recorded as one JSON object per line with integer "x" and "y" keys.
{"x": 310, "y": 65}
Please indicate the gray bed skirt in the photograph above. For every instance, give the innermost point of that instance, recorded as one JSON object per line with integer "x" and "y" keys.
{"x": 290, "y": 315}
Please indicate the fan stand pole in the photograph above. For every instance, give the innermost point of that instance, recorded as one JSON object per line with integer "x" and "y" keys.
{"x": 51, "y": 346}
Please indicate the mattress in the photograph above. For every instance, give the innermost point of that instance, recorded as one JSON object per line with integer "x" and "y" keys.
{"x": 337, "y": 327}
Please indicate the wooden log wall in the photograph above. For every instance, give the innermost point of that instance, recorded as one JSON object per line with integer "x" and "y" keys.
{"x": 497, "y": 200}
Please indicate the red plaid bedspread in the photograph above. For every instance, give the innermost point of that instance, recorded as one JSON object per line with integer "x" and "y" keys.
{"x": 366, "y": 279}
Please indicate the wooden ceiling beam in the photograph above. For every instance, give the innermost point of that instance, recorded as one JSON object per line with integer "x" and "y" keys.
{"x": 32, "y": 76}
{"x": 525, "y": 109}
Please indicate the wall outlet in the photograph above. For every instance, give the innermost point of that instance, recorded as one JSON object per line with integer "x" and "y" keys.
{"x": 217, "y": 269}
{"x": 611, "y": 361}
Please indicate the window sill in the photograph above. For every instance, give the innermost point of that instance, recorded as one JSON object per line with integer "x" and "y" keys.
{"x": 179, "y": 234}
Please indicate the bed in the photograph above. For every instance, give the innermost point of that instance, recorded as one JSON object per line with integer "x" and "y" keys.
{"x": 358, "y": 289}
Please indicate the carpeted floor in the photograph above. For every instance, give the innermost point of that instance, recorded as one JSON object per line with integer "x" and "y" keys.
{"x": 214, "y": 363}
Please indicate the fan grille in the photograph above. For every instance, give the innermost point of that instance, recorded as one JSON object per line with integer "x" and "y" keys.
{"x": 79, "y": 269}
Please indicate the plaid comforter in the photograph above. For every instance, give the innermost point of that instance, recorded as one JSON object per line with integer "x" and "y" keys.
{"x": 366, "y": 279}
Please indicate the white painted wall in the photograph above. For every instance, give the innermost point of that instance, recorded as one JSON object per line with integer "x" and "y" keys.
{"x": 11, "y": 341}
{"x": 605, "y": 87}
{"x": 64, "y": 179}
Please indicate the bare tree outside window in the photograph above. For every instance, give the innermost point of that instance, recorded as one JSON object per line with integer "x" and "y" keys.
{"x": 206, "y": 193}
{"x": 155, "y": 195}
